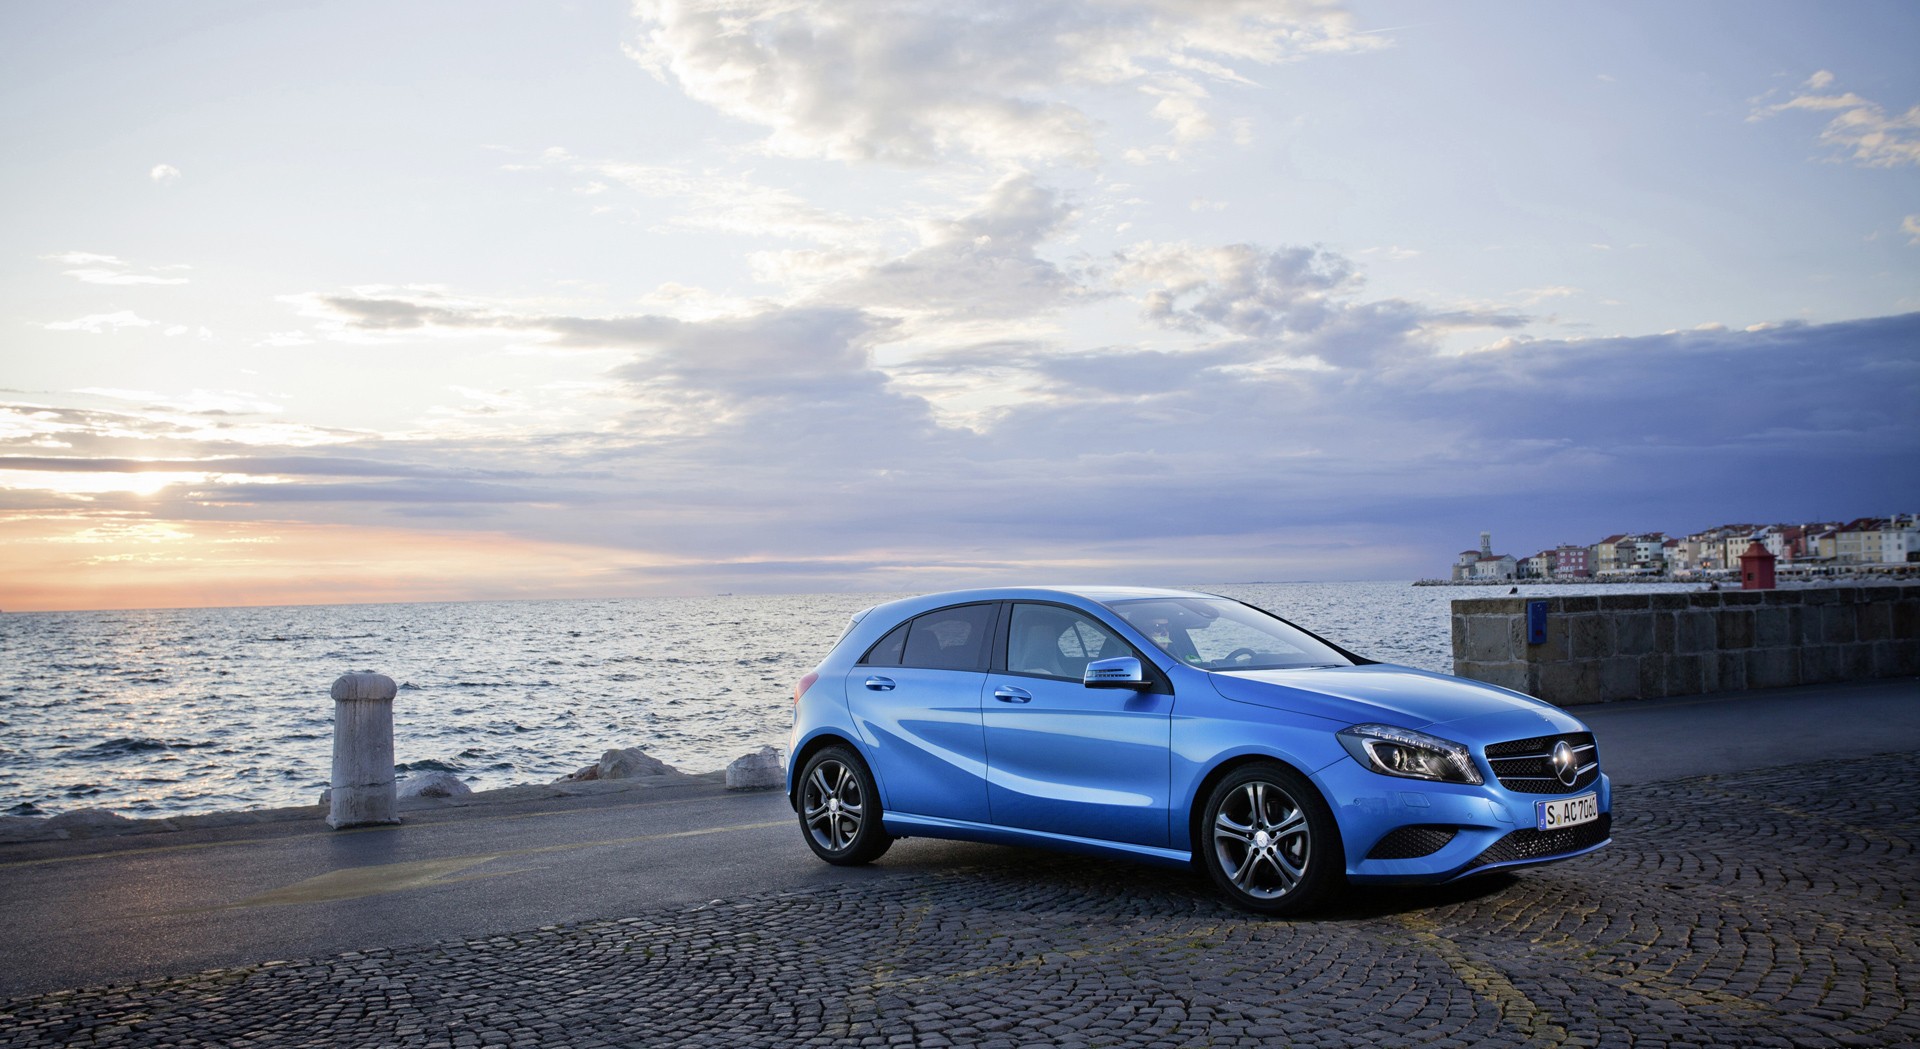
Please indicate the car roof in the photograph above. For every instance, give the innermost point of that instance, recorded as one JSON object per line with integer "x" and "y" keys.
{"x": 1090, "y": 593}
{"x": 1100, "y": 594}
{"x": 1119, "y": 593}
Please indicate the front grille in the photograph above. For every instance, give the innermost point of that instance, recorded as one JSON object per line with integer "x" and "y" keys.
{"x": 1525, "y": 766}
{"x": 1540, "y": 844}
{"x": 1411, "y": 843}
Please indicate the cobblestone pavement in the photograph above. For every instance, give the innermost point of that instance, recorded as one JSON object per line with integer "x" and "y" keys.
{"x": 1772, "y": 908}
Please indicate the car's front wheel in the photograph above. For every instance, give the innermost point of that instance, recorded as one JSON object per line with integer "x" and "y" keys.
{"x": 1269, "y": 841}
{"x": 840, "y": 809}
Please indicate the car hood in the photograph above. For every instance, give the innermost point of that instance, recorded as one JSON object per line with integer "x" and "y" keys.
{"x": 1381, "y": 692}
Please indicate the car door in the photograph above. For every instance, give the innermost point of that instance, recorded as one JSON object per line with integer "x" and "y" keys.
{"x": 1068, "y": 759}
{"x": 915, "y": 699}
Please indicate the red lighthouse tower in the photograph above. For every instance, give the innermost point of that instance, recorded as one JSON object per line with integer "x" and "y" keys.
{"x": 1756, "y": 568}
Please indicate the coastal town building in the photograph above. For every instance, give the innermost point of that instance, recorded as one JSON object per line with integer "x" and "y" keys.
{"x": 1716, "y": 549}
{"x": 1683, "y": 554}
{"x": 1606, "y": 555}
{"x": 1562, "y": 562}
{"x": 1734, "y": 545}
{"x": 1826, "y": 545}
{"x": 1813, "y": 550}
{"x": 1878, "y": 540}
{"x": 1572, "y": 562}
{"x": 1650, "y": 551}
{"x": 1626, "y": 556}
{"x": 1483, "y": 565}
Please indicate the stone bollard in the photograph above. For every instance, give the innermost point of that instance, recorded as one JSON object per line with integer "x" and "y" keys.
{"x": 363, "y": 790}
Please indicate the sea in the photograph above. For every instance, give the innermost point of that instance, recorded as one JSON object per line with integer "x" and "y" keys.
{"x": 185, "y": 711}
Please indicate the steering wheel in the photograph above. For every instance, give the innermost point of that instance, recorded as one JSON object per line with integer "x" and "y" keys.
{"x": 1239, "y": 655}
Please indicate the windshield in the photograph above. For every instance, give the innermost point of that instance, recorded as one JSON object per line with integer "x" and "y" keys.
{"x": 1213, "y": 633}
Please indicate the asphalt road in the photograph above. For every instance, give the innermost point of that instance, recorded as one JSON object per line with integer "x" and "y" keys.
{"x": 112, "y": 910}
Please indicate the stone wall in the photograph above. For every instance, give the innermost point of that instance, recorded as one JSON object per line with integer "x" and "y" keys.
{"x": 1638, "y": 646}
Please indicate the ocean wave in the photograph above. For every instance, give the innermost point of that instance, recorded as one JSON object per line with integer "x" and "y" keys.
{"x": 430, "y": 765}
{"x": 125, "y": 746}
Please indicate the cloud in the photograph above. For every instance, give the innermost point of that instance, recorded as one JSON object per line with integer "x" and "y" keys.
{"x": 106, "y": 269}
{"x": 1299, "y": 304}
{"x": 716, "y": 202}
{"x": 1859, "y": 129}
{"x": 1541, "y": 430}
{"x": 1911, "y": 227}
{"x": 102, "y": 323}
{"x": 774, "y": 392}
{"x": 300, "y": 466}
{"x": 984, "y": 263}
{"x": 1239, "y": 288}
{"x": 996, "y": 80}
{"x": 1114, "y": 461}
{"x": 200, "y": 402}
{"x": 397, "y": 314}
{"x": 1181, "y": 102}
{"x": 373, "y": 314}
{"x": 164, "y": 174}
{"x": 137, "y": 424}
{"x": 1535, "y": 296}
{"x": 982, "y": 275}
{"x": 386, "y": 314}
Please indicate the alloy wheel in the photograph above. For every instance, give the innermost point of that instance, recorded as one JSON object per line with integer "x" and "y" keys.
{"x": 1262, "y": 840}
{"x": 833, "y": 805}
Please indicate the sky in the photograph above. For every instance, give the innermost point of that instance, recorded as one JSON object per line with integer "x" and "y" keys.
{"x": 472, "y": 299}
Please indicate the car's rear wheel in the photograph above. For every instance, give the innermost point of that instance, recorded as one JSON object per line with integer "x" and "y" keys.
{"x": 840, "y": 809}
{"x": 1269, "y": 841}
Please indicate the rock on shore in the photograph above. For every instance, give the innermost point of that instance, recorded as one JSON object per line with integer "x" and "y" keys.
{"x": 80, "y": 823}
{"x": 630, "y": 763}
{"x": 434, "y": 785}
{"x": 760, "y": 770}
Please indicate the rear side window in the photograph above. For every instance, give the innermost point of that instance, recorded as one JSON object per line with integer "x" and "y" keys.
{"x": 887, "y": 652}
{"x": 949, "y": 639}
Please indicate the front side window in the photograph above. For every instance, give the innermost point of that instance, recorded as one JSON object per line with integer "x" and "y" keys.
{"x": 1058, "y": 642}
{"x": 1217, "y": 634}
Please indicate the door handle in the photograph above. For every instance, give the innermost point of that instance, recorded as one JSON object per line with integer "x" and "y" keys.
{"x": 880, "y": 684}
{"x": 1009, "y": 694}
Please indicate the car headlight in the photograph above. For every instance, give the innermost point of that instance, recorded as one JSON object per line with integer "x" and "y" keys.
{"x": 1415, "y": 755}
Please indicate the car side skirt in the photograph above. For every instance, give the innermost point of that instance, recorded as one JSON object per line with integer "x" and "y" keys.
{"x": 907, "y": 825}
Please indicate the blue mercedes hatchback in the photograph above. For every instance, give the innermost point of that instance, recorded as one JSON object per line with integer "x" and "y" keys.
{"x": 1179, "y": 728}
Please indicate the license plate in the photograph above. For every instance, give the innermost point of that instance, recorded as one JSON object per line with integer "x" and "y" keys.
{"x": 1569, "y": 812}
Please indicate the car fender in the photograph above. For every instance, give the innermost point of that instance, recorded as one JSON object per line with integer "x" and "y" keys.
{"x": 822, "y": 714}
{"x": 1204, "y": 747}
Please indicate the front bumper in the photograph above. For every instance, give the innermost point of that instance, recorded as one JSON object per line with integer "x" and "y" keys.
{"x": 1411, "y": 831}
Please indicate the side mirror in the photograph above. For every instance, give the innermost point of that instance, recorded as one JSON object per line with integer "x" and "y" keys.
{"x": 1118, "y": 672}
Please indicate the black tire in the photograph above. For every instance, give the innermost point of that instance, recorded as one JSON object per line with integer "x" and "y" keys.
{"x": 840, "y": 809}
{"x": 1269, "y": 842}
